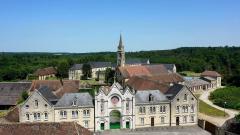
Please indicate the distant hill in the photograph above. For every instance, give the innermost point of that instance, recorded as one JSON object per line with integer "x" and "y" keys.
{"x": 226, "y": 60}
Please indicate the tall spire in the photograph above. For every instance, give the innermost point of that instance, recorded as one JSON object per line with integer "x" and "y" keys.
{"x": 120, "y": 46}
{"x": 120, "y": 53}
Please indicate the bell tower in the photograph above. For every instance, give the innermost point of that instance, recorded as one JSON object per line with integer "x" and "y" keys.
{"x": 120, "y": 54}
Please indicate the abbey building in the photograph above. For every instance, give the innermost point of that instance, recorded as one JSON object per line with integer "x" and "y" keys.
{"x": 143, "y": 95}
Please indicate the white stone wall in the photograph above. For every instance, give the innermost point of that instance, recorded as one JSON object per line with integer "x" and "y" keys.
{"x": 80, "y": 119}
{"x": 179, "y": 101}
{"x": 30, "y": 108}
{"x": 156, "y": 116}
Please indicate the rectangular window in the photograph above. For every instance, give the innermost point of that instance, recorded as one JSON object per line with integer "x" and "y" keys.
{"x": 63, "y": 114}
{"x": 162, "y": 120}
{"x": 86, "y": 113}
{"x": 37, "y": 116}
{"x": 192, "y": 108}
{"x": 192, "y": 118}
{"x": 177, "y": 109}
{"x": 27, "y": 116}
{"x": 142, "y": 121}
{"x": 86, "y": 124}
{"x": 127, "y": 105}
{"x": 46, "y": 116}
{"x": 74, "y": 114}
{"x": 184, "y": 119}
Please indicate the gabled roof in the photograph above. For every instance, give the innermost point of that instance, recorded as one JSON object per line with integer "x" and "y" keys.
{"x": 58, "y": 88}
{"x": 46, "y": 92}
{"x": 210, "y": 73}
{"x": 169, "y": 67}
{"x": 10, "y": 92}
{"x": 45, "y": 71}
{"x": 82, "y": 100}
{"x": 76, "y": 67}
{"x": 195, "y": 82}
{"x": 142, "y": 97}
{"x": 106, "y": 89}
{"x": 143, "y": 70}
{"x": 174, "y": 90}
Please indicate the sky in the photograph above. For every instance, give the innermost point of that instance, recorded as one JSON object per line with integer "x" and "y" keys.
{"x": 95, "y": 25}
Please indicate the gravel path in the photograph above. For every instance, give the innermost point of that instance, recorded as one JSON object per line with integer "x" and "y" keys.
{"x": 219, "y": 121}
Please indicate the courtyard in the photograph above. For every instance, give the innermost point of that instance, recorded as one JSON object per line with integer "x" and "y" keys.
{"x": 189, "y": 130}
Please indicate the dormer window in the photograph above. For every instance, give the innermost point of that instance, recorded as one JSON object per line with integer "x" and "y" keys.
{"x": 74, "y": 102}
{"x": 150, "y": 98}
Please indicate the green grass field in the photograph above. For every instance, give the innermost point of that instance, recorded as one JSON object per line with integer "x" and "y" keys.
{"x": 209, "y": 110}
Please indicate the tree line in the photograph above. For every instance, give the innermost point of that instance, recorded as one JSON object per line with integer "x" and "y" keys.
{"x": 225, "y": 60}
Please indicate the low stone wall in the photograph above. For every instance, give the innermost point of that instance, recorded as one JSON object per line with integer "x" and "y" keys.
{"x": 64, "y": 128}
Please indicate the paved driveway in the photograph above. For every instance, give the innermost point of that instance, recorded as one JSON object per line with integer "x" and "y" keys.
{"x": 189, "y": 130}
{"x": 218, "y": 121}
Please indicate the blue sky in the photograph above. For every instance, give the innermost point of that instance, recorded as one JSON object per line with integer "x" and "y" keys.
{"x": 95, "y": 25}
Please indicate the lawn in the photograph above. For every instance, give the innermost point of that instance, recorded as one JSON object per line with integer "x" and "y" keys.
{"x": 228, "y": 97}
{"x": 209, "y": 110}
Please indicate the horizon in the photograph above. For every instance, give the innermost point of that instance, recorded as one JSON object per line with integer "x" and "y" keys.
{"x": 94, "y": 26}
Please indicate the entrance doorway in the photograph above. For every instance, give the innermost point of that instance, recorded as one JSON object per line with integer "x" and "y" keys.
{"x": 127, "y": 124}
{"x": 152, "y": 121}
{"x": 102, "y": 126}
{"x": 177, "y": 121}
{"x": 115, "y": 118}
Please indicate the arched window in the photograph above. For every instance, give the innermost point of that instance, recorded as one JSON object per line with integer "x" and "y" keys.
{"x": 74, "y": 102}
{"x": 127, "y": 104}
{"x": 36, "y": 103}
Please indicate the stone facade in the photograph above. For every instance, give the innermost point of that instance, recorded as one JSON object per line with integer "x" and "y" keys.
{"x": 115, "y": 99}
{"x": 36, "y": 109}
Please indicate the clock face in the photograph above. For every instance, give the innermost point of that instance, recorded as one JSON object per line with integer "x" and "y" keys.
{"x": 114, "y": 99}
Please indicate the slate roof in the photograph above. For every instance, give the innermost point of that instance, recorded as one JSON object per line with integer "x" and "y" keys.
{"x": 10, "y": 92}
{"x": 76, "y": 67}
{"x": 142, "y": 97}
{"x": 143, "y": 70}
{"x": 136, "y": 61}
{"x": 169, "y": 66}
{"x": 46, "y": 92}
{"x": 173, "y": 90}
{"x": 195, "y": 82}
{"x": 93, "y": 64}
{"x": 210, "y": 73}
{"x": 83, "y": 99}
{"x": 45, "y": 71}
{"x": 58, "y": 88}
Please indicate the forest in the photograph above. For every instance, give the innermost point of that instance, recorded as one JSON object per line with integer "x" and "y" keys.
{"x": 225, "y": 60}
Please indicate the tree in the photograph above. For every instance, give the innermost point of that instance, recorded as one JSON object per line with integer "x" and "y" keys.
{"x": 109, "y": 75}
{"x": 87, "y": 71}
{"x": 62, "y": 69}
